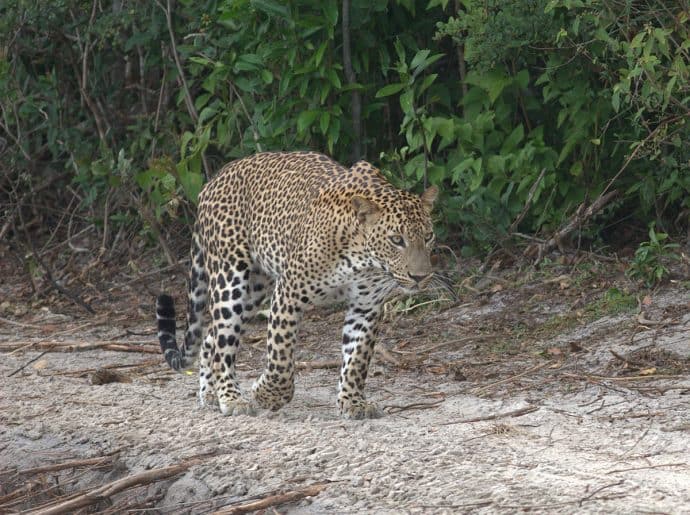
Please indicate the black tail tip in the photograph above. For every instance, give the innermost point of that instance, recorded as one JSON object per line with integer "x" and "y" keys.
{"x": 165, "y": 306}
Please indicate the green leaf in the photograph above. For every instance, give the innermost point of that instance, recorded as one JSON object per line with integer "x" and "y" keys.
{"x": 184, "y": 142}
{"x": 324, "y": 121}
{"x": 638, "y": 39}
{"x": 318, "y": 56}
{"x": 389, "y": 89}
{"x": 251, "y": 58}
{"x": 333, "y": 77}
{"x": 428, "y": 81}
{"x": 419, "y": 58}
{"x": 422, "y": 61}
{"x": 513, "y": 139}
{"x": 204, "y": 61}
{"x": 493, "y": 82}
{"x": 668, "y": 91}
{"x": 266, "y": 76}
{"x": 271, "y": 7}
{"x": 306, "y": 119}
{"x": 406, "y": 102}
{"x": 206, "y": 113}
{"x": 330, "y": 10}
{"x": 191, "y": 183}
{"x": 576, "y": 169}
{"x": 522, "y": 79}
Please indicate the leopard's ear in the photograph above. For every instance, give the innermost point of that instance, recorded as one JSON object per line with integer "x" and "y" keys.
{"x": 366, "y": 211}
{"x": 429, "y": 197}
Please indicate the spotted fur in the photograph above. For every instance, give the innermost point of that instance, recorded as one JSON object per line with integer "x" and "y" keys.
{"x": 310, "y": 231}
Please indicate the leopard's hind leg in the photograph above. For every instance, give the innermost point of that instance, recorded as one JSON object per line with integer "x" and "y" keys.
{"x": 197, "y": 301}
{"x": 231, "y": 303}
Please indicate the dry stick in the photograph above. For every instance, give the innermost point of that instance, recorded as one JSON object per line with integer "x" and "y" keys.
{"x": 395, "y": 408}
{"x": 187, "y": 96}
{"x": 356, "y": 101}
{"x": 528, "y": 202}
{"x": 592, "y": 377}
{"x": 84, "y": 346}
{"x": 82, "y": 371}
{"x": 581, "y": 215}
{"x": 625, "y": 360}
{"x": 99, "y": 494}
{"x": 101, "y": 460}
{"x": 156, "y": 229}
{"x": 603, "y": 197}
{"x": 275, "y": 500}
{"x": 49, "y": 274}
{"x": 19, "y": 324}
{"x": 684, "y": 464}
{"x": 250, "y": 120}
{"x": 176, "y": 265}
{"x": 516, "y": 222}
{"x": 512, "y": 378}
{"x": 82, "y": 77}
{"x": 45, "y": 185}
{"x": 438, "y": 345}
{"x": 156, "y": 119}
{"x": 515, "y": 413}
{"x": 589, "y": 497}
{"x": 28, "y": 363}
{"x": 663, "y": 124}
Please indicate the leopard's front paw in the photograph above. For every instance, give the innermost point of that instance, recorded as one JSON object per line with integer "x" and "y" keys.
{"x": 236, "y": 406}
{"x": 207, "y": 398}
{"x": 270, "y": 395}
{"x": 357, "y": 408}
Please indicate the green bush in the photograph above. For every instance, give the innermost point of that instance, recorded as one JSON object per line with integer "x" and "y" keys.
{"x": 506, "y": 104}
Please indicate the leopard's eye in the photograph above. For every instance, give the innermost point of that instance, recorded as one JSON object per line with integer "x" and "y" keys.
{"x": 429, "y": 237}
{"x": 397, "y": 240}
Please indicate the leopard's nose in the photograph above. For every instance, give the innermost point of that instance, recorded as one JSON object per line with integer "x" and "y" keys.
{"x": 421, "y": 280}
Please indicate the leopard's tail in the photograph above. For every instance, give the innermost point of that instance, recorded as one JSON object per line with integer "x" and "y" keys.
{"x": 165, "y": 315}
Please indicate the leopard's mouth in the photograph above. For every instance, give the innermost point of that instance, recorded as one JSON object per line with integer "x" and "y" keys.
{"x": 410, "y": 285}
{"x": 433, "y": 281}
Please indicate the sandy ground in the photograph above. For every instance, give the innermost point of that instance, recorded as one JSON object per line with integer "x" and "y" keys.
{"x": 512, "y": 401}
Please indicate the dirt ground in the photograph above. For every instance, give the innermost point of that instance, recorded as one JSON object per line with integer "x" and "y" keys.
{"x": 561, "y": 390}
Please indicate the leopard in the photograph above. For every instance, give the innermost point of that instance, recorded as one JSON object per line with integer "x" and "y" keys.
{"x": 308, "y": 231}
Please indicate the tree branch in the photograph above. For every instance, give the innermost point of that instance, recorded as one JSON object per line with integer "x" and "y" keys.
{"x": 356, "y": 102}
{"x": 187, "y": 95}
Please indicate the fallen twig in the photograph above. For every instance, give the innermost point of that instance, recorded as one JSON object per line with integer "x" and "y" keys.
{"x": 528, "y": 203}
{"x": 415, "y": 405}
{"x": 589, "y": 497}
{"x": 512, "y": 378}
{"x": 625, "y": 360}
{"x": 591, "y": 377}
{"x": 100, "y": 460}
{"x": 99, "y": 494}
{"x": 27, "y": 363}
{"x": 275, "y": 500}
{"x": 438, "y": 345}
{"x": 120, "y": 346}
{"x": 19, "y": 324}
{"x": 582, "y": 214}
{"x": 649, "y": 467}
{"x": 49, "y": 273}
{"x": 515, "y": 413}
{"x": 84, "y": 371}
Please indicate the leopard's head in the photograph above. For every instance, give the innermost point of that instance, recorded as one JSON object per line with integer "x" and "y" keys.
{"x": 398, "y": 234}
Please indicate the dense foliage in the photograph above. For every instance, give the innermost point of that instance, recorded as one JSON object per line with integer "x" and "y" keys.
{"x": 507, "y": 104}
